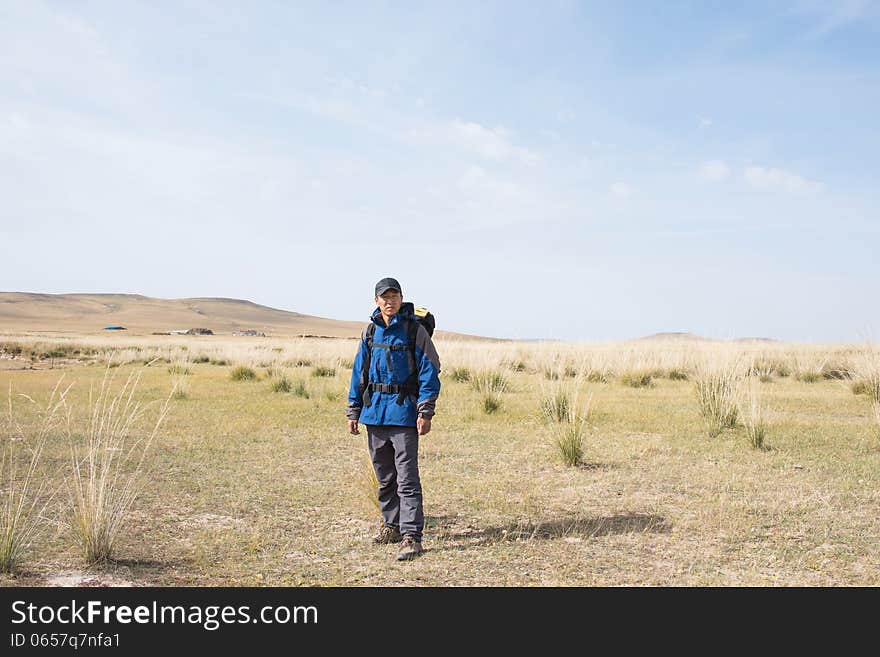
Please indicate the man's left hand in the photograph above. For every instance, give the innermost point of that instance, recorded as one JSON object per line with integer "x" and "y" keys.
{"x": 423, "y": 424}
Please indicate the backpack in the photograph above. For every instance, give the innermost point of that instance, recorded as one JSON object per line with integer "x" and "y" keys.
{"x": 422, "y": 317}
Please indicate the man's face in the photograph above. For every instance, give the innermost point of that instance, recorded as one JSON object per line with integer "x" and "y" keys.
{"x": 389, "y": 303}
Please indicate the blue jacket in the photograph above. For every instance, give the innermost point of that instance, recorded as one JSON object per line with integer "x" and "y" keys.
{"x": 383, "y": 407}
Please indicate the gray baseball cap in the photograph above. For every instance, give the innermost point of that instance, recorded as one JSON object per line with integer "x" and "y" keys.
{"x": 387, "y": 284}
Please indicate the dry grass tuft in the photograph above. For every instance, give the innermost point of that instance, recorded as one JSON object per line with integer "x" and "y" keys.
{"x": 753, "y": 414}
{"x": 461, "y": 375}
{"x": 24, "y": 498}
{"x": 809, "y": 367}
{"x": 567, "y": 412}
{"x": 243, "y": 373}
{"x": 677, "y": 374}
{"x": 864, "y": 373}
{"x": 109, "y": 464}
{"x": 181, "y": 369}
{"x": 300, "y": 389}
{"x": 637, "y": 379}
{"x": 717, "y": 383}
{"x": 556, "y": 406}
{"x": 280, "y": 382}
{"x": 491, "y": 384}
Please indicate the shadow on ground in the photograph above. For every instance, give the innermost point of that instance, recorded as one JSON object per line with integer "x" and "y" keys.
{"x": 138, "y": 570}
{"x": 568, "y": 527}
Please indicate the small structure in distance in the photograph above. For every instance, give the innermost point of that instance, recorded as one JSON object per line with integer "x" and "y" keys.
{"x": 250, "y": 332}
{"x": 192, "y": 331}
{"x": 114, "y": 327}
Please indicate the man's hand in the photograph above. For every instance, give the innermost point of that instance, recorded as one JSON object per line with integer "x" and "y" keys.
{"x": 423, "y": 424}
{"x": 353, "y": 428}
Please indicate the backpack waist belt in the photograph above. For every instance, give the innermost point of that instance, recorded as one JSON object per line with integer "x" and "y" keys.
{"x": 400, "y": 390}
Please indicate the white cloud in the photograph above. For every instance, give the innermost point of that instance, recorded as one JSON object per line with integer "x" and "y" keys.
{"x": 832, "y": 16}
{"x": 477, "y": 180}
{"x": 705, "y": 122}
{"x": 489, "y": 143}
{"x": 339, "y": 110}
{"x": 357, "y": 105}
{"x": 780, "y": 179}
{"x": 14, "y": 126}
{"x": 621, "y": 190}
{"x": 714, "y": 170}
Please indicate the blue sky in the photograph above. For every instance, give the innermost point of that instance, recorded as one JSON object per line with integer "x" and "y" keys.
{"x": 583, "y": 171}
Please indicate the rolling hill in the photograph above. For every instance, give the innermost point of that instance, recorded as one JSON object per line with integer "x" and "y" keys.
{"x": 26, "y": 312}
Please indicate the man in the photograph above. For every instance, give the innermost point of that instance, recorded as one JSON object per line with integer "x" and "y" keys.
{"x": 393, "y": 392}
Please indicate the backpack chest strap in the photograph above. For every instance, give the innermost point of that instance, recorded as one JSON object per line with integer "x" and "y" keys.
{"x": 388, "y": 349}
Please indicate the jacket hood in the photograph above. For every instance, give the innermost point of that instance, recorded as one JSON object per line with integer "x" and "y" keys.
{"x": 407, "y": 309}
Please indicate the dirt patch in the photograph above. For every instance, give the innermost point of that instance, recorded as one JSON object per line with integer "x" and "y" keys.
{"x": 215, "y": 521}
{"x": 87, "y": 580}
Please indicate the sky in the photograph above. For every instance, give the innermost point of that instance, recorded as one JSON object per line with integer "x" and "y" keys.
{"x": 538, "y": 170}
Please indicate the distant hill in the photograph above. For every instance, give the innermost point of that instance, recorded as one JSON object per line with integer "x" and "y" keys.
{"x": 693, "y": 336}
{"x": 675, "y": 336}
{"x": 28, "y": 312}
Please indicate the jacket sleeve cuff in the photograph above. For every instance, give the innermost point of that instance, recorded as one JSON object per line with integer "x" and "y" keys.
{"x": 426, "y": 409}
{"x": 353, "y": 413}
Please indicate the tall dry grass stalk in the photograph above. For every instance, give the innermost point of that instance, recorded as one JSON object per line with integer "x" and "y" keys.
{"x": 602, "y": 361}
{"x": 717, "y": 383}
{"x": 875, "y": 407}
{"x": 179, "y": 386}
{"x": 24, "y": 503}
{"x": 109, "y": 464}
{"x": 368, "y": 484}
{"x": 555, "y": 401}
{"x": 180, "y": 367}
{"x": 753, "y": 414}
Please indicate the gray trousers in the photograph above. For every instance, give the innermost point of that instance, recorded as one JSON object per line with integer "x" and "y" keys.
{"x": 394, "y": 451}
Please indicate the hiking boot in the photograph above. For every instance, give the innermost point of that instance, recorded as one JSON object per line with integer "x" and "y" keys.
{"x": 409, "y": 549}
{"x": 387, "y": 535}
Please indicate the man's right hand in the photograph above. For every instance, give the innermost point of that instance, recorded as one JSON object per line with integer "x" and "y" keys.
{"x": 353, "y": 428}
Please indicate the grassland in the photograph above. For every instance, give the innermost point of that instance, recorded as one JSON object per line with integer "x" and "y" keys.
{"x": 254, "y": 487}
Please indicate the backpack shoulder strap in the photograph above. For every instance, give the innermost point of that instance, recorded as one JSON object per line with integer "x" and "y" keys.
{"x": 412, "y": 381}
{"x": 412, "y": 329}
{"x": 365, "y": 372}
